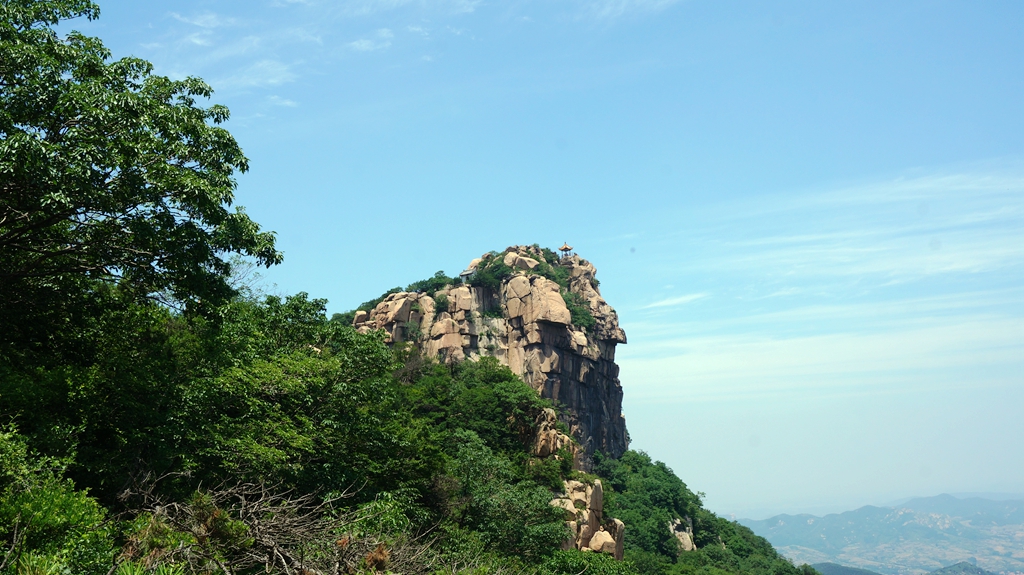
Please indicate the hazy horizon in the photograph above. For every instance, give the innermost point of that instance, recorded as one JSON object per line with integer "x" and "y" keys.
{"x": 823, "y": 510}
{"x": 809, "y": 217}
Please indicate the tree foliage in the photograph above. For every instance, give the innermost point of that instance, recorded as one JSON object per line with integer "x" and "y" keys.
{"x": 648, "y": 496}
{"x": 109, "y": 172}
{"x": 44, "y": 520}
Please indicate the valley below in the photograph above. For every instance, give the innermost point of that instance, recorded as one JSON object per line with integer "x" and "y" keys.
{"x": 914, "y": 538}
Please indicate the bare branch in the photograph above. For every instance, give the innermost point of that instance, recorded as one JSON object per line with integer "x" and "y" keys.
{"x": 239, "y": 527}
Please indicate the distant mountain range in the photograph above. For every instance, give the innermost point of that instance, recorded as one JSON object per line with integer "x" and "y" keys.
{"x": 962, "y": 568}
{"x": 920, "y": 536}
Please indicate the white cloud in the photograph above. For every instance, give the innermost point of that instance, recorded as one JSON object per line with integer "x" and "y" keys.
{"x": 882, "y": 234}
{"x": 380, "y": 40}
{"x": 964, "y": 350}
{"x": 260, "y": 74}
{"x": 198, "y": 39}
{"x": 366, "y": 7}
{"x": 911, "y": 282}
{"x": 205, "y": 20}
{"x": 301, "y": 35}
{"x": 279, "y": 101}
{"x": 616, "y": 8}
{"x": 464, "y": 6}
{"x": 676, "y": 301}
{"x": 419, "y": 30}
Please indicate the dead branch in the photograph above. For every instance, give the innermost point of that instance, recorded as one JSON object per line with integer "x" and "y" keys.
{"x": 236, "y": 528}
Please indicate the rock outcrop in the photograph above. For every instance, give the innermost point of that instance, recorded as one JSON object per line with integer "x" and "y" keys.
{"x": 523, "y": 321}
{"x": 682, "y": 529}
{"x": 584, "y": 515}
{"x": 549, "y": 440}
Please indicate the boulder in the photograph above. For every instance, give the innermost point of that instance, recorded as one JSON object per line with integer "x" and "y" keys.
{"x": 591, "y": 532}
{"x": 526, "y": 263}
{"x": 685, "y": 541}
{"x": 682, "y": 529}
{"x": 602, "y": 542}
{"x": 463, "y": 298}
{"x": 549, "y": 439}
{"x": 570, "y": 509}
{"x": 518, "y": 287}
{"x": 444, "y": 327}
{"x": 586, "y": 532}
{"x": 577, "y": 492}
{"x": 545, "y": 303}
{"x": 570, "y": 543}
{"x": 619, "y": 533}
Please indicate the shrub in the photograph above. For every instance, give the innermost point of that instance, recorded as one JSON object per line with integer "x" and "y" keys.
{"x": 46, "y": 525}
{"x": 441, "y": 303}
{"x": 579, "y": 311}
{"x": 412, "y": 331}
{"x": 574, "y": 562}
{"x": 555, "y": 273}
{"x": 431, "y": 285}
{"x": 491, "y": 272}
{"x": 345, "y": 318}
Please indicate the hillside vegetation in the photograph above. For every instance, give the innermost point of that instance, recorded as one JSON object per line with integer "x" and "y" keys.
{"x": 158, "y": 416}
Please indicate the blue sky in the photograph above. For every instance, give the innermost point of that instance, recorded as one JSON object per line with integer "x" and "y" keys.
{"x": 810, "y": 216}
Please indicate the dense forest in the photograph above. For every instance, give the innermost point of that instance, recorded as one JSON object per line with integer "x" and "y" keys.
{"x": 158, "y": 414}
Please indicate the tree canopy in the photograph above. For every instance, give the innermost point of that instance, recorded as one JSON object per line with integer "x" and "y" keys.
{"x": 109, "y": 172}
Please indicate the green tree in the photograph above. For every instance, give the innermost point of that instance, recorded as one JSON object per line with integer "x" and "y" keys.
{"x": 108, "y": 172}
{"x": 512, "y": 517}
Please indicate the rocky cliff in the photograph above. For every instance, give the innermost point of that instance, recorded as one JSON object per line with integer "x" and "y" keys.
{"x": 540, "y": 314}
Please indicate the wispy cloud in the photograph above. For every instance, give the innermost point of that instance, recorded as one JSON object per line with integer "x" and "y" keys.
{"x": 367, "y": 7}
{"x": 279, "y": 101}
{"x": 260, "y": 74}
{"x": 898, "y": 231}
{"x": 676, "y": 301}
{"x": 910, "y": 282}
{"x": 379, "y": 41}
{"x": 616, "y": 8}
{"x": 419, "y": 30}
{"x": 205, "y": 20}
{"x": 966, "y": 350}
{"x": 464, "y": 6}
{"x": 198, "y": 39}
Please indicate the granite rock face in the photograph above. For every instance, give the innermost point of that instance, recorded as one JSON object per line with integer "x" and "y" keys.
{"x": 682, "y": 529}
{"x": 525, "y": 323}
{"x": 584, "y": 515}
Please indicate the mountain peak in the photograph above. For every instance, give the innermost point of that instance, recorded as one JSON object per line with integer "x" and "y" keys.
{"x": 533, "y": 310}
